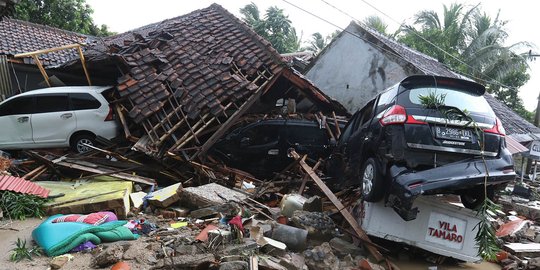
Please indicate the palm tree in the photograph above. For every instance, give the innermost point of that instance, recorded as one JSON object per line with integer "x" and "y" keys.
{"x": 316, "y": 44}
{"x": 376, "y": 23}
{"x": 276, "y": 27}
{"x": 470, "y": 42}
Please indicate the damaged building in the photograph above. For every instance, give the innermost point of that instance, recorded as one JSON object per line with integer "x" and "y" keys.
{"x": 185, "y": 81}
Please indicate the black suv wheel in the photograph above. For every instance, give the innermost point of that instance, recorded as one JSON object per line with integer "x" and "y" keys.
{"x": 372, "y": 181}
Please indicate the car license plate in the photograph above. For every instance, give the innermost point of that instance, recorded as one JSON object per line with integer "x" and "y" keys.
{"x": 450, "y": 133}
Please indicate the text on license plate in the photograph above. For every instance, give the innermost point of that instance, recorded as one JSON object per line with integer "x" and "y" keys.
{"x": 453, "y": 133}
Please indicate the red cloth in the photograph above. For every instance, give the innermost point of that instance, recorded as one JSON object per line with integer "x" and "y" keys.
{"x": 92, "y": 219}
{"x": 237, "y": 221}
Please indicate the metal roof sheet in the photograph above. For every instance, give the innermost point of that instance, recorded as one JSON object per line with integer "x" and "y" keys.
{"x": 20, "y": 185}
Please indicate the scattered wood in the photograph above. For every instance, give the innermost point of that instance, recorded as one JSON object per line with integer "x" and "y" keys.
{"x": 346, "y": 214}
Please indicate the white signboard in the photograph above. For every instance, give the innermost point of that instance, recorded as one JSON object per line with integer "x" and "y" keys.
{"x": 446, "y": 230}
{"x": 535, "y": 149}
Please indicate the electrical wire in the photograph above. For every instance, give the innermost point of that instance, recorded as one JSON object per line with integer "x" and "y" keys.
{"x": 429, "y": 42}
{"x": 354, "y": 34}
{"x": 494, "y": 81}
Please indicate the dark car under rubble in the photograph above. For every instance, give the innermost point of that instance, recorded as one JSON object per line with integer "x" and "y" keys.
{"x": 425, "y": 135}
{"x": 261, "y": 147}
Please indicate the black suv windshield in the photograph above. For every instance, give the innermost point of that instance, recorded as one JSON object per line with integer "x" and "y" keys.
{"x": 453, "y": 98}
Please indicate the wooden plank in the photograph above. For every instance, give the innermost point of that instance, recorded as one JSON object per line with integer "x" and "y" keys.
{"x": 34, "y": 171}
{"x": 42, "y": 70}
{"x": 31, "y": 54}
{"x": 103, "y": 171}
{"x": 346, "y": 214}
{"x": 123, "y": 121}
{"x": 306, "y": 177}
{"x": 254, "y": 262}
{"x": 83, "y": 63}
{"x": 338, "y": 130}
{"x": 523, "y": 247}
{"x": 251, "y": 100}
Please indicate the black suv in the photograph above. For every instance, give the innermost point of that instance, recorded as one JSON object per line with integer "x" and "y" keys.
{"x": 260, "y": 148}
{"x": 425, "y": 135}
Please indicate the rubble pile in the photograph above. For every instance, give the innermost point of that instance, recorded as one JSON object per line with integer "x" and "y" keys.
{"x": 220, "y": 224}
{"x": 518, "y": 227}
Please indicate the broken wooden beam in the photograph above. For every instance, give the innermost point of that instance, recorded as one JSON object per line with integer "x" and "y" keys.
{"x": 346, "y": 214}
{"x": 225, "y": 126}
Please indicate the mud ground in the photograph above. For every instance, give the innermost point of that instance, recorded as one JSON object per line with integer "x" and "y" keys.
{"x": 11, "y": 230}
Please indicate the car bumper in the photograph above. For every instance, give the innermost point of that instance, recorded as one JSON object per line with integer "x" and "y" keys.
{"x": 407, "y": 185}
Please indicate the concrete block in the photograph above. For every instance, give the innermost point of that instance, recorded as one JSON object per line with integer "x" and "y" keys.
{"x": 207, "y": 195}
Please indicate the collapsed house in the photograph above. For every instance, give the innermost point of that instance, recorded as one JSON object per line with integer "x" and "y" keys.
{"x": 187, "y": 80}
{"x": 183, "y": 82}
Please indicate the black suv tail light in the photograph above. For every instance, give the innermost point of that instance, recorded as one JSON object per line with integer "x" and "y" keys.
{"x": 497, "y": 128}
{"x": 398, "y": 115}
{"x": 394, "y": 115}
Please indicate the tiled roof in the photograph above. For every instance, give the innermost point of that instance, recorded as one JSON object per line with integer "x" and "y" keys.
{"x": 427, "y": 64}
{"x": 18, "y": 36}
{"x": 20, "y": 185}
{"x": 512, "y": 122}
{"x": 207, "y": 59}
{"x": 304, "y": 56}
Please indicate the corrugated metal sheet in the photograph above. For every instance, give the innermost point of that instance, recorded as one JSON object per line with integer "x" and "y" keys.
{"x": 5, "y": 80}
{"x": 17, "y": 184}
{"x": 514, "y": 146}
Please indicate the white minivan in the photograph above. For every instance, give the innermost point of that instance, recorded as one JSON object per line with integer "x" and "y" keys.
{"x": 68, "y": 116}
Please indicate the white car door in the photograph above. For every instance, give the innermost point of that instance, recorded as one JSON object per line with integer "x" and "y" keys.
{"x": 15, "y": 123}
{"x": 53, "y": 122}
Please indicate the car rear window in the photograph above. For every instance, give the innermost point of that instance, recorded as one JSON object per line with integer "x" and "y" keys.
{"x": 451, "y": 97}
{"x": 83, "y": 101}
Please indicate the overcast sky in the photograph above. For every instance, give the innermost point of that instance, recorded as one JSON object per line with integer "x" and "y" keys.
{"x": 523, "y": 18}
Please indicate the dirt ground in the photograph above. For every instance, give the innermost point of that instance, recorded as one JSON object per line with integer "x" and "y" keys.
{"x": 10, "y": 231}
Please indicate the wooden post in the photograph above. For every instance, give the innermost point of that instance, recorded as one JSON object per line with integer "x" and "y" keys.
{"x": 35, "y": 55}
{"x": 42, "y": 70}
{"x": 83, "y": 63}
{"x": 346, "y": 214}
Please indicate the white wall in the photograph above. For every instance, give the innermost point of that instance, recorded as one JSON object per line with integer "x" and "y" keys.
{"x": 353, "y": 71}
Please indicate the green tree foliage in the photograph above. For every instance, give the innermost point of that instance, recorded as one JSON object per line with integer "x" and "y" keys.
{"x": 472, "y": 43}
{"x": 376, "y": 23}
{"x": 318, "y": 42}
{"x": 71, "y": 15}
{"x": 275, "y": 26}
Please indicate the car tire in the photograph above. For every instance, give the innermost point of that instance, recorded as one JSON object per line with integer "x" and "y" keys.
{"x": 77, "y": 143}
{"x": 473, "y": 198}
{"x": 372, "y": 181}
